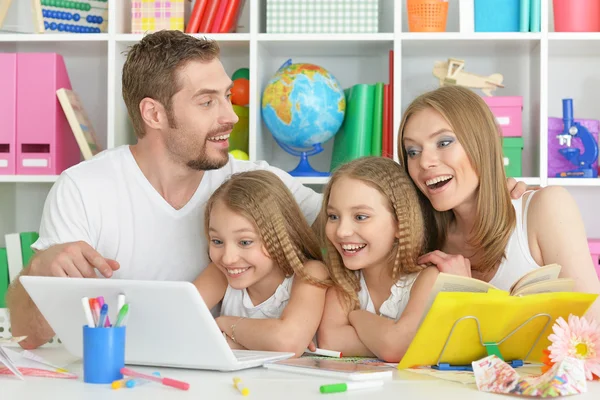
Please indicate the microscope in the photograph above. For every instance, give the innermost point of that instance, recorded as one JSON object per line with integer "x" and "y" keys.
{"x": 573, "y": 130}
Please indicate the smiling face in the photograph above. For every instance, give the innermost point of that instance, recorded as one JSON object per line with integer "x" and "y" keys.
{"x": 236, "y": 248}
{"x": 437, "y": 162}
{"x": 360, "y": 224}
{"x": 201, "y": 116}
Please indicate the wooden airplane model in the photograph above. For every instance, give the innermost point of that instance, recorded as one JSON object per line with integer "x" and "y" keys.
{"x": 452, "y": 72}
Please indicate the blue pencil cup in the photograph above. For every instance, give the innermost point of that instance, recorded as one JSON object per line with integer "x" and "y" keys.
{"x": 103, "y": 354}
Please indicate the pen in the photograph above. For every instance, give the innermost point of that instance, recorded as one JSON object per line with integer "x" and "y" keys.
{"x": 346, "y": 386}
{"x": 122, "y": 314}
{"x": 323, "y": 352}
{"x": 88, "y": 312}
{"x": 102, "y": 318}
{"x": 237, "y": 383}
{"x": 101, "y": 303}
{"x": 165, "y": 381}
{"x": 119, "y": 384}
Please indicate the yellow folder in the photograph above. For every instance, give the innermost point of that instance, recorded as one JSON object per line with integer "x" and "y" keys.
{"x": 496, "y": 314}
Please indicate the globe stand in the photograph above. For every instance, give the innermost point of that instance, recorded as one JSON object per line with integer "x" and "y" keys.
{"x": 303, "y": 168}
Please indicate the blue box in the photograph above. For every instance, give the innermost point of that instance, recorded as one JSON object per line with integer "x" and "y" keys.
{"x": 103, "y": 354}
{"x": 497, "y": 15}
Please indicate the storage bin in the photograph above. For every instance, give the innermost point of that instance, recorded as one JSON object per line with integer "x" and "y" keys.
{"x": 497, "y": 16}
{"x": 322, "y": 16}
{"x": 594, "y": 245}
{"x": 512, "y": 148}
{"x": 576, "y": 15}
{"x": 508, "y": 111}
{"x": 556, "y": 162}
{"x": 427, "y": 15}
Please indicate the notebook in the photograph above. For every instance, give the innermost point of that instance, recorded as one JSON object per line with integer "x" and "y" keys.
{"x": 333, "y": 368}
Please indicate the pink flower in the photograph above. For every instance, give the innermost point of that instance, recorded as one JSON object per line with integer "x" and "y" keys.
{"x": 579, "y": 338}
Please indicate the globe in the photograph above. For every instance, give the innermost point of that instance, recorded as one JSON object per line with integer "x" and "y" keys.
{"x": 303, "y": 106}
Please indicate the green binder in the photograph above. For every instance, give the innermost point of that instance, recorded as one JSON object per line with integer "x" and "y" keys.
{"x": 376, "y": 139}
{"x": 3, "y": 277}
{"x": 354, "y": 139}
{"x": 27, "y": 239}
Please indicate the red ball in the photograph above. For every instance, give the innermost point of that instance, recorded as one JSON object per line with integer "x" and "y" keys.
{"x": 240, "y": 92}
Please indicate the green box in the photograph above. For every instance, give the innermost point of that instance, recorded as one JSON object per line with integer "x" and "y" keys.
{"x": 512, "y": 147}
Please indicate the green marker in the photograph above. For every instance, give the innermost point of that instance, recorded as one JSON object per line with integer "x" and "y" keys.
{"x": 122, "y": 314}
{"x": 344, "y": 387}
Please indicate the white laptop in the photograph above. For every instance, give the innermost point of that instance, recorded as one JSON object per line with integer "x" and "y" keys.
{"x": 168, "y": 324}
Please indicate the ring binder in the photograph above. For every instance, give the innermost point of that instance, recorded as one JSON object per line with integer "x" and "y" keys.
{"x": 491, "y": 347}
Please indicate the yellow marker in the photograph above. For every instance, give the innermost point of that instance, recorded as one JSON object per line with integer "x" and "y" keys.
{"x": 119, "y": 384}
{"x": 237, "y": 382}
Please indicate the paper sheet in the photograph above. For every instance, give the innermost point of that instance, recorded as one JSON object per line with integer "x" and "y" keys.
{"x": 564, "y": 378}
{"x": 27, "y": 363}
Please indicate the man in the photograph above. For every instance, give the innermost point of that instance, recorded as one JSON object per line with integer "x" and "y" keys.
{"x": 136, "y": 212}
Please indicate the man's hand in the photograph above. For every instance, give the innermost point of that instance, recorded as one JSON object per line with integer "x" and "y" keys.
{"x": 454, "y": 264}
{"x": 516, "y": 189}
{"x": 76, "y": 260}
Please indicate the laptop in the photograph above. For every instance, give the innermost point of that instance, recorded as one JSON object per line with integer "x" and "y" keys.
{"x": 168, "y": 324}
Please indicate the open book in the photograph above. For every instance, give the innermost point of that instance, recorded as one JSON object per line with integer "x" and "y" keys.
{"x": 541, "y": 280}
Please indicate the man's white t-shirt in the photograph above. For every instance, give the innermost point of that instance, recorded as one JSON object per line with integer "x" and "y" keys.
{"x": 108, "y": 202}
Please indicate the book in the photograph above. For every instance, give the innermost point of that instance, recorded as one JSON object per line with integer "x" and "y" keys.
{"x": 332, "y": 368}
{"x": 80, "y": 123}
{"x": 540, "y": 280}
{"x": 466, "y": 318}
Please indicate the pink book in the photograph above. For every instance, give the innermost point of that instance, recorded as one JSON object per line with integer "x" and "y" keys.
{"x": 219, "y": 17}
{"x": 45, "y": 143}
{"x": 8, "y": 112}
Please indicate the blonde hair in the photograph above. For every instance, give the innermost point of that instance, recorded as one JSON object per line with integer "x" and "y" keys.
{"x": 475, "y": 127}
{"x": 262, "y": 198}
{"x": 395, "y": 185}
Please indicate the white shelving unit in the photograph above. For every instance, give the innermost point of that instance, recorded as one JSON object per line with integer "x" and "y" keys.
{"x": 542, "y": 67}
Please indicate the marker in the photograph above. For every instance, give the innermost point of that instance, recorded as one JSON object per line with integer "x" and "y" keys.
{"x": 138, "y": 381}
{"x": 346, "y": 386}
{"x": 323, "y": 352}
{"x": 102, "y": 317}
{"x": 95, "y": 307}
{"x": 237, "y": 383}
{"x": 122, "y": 315}
{"x": 88, "y": 312}
{"x": 101, "y": 303}
{"x": 119, "y": 384}
{"x": 165, "y": 381}
{"x": 120, "y": 302}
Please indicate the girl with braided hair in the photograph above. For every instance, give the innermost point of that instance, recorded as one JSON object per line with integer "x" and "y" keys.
{"x": 267, "y": 267}
{"x": 374, "y": 233}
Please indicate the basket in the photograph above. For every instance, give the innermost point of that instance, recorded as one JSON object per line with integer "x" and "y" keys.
{"x": 427, "y": 15}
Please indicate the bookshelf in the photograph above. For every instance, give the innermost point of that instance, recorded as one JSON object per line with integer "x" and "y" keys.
{"x": 542, "y": 67}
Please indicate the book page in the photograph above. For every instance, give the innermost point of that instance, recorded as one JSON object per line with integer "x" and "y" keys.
{"x": 549, "y": 286}
{"x": 545, "y": 273}
{"x": 455, "y": 283}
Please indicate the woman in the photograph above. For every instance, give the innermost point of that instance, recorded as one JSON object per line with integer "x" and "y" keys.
{"x": 450, "y": 146}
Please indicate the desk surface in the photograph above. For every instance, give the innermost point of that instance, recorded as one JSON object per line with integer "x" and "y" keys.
{"x": 262, "y": 383}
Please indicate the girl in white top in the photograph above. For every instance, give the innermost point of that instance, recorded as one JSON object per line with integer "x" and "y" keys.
{"x": 374, "y": 233}
{"x": 266, "y": 265}
{"x": 450, "y": 145}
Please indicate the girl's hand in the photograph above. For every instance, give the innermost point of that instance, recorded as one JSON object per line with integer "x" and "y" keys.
{"x": 454, "y": 264}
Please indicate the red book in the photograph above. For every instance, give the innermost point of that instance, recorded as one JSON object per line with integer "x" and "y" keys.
{"x": 208, "y": 18}
{"x": 219, "y": 17}
{"x": 385, "y": 140}
{"x": 230, "y": 16}
{"x": 196, "y": 16}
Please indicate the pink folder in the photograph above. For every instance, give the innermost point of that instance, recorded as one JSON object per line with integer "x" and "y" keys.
{"x": 8, "y": 112}
{"x": 45, "y": 142}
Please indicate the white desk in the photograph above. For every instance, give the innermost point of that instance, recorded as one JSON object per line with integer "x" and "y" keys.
{"x": 263, "y": 384}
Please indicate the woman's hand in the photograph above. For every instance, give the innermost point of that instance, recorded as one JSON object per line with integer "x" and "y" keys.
{"x": 454, "y": 264}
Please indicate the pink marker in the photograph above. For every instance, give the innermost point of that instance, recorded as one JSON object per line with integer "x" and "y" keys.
{"x": 165, "y": 381}
{"x": 101, "y": 303}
